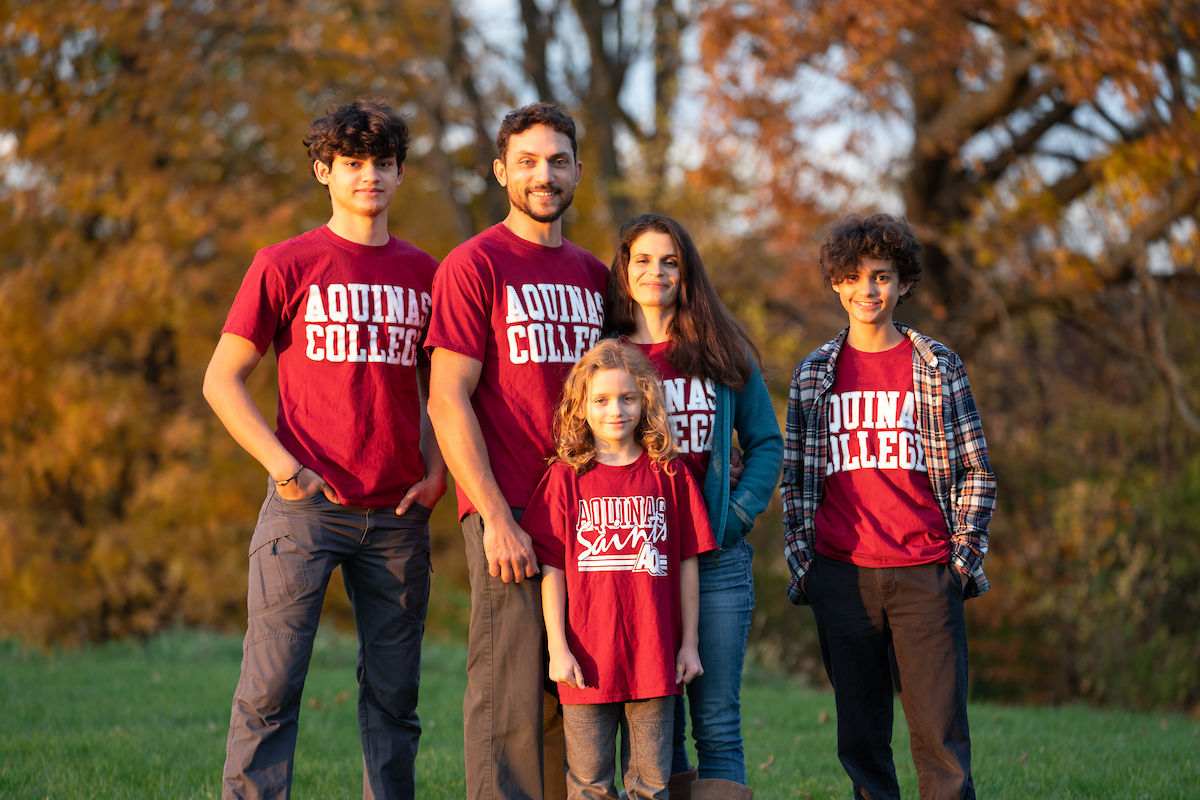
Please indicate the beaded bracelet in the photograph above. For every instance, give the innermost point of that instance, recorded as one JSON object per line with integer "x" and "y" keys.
{"x": 289, "y": 480}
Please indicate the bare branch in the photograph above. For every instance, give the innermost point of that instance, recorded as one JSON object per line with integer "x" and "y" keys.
{"x": 1183, "y": 201}
{"x": 1073, "y": 186}
{"x": 1025, "y": 142}
{"x": 1126, "y": 134}
{"x": 539, "y": 30}
{"x": 970, "y": 112}
{"x": 953, "y": 250}
{"x": 1159, "y": 353}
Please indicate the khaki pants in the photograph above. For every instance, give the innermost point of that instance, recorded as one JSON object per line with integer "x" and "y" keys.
{"x": 512, "y": 726}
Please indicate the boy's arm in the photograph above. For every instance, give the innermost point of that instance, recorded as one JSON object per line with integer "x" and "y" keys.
{"x": 564, "y": 668}
{"x": 452, "y": 381}
{"x": 799, "y": 546}
{"x": 687, "y": 660}
{"x": 974, "y": 483}
{"x": 429, "y": 490}
{"x": 225, "y": 390}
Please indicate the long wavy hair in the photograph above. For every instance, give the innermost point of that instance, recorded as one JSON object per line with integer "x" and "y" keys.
{"x": 574, "y": 442}
{"x": 708, "y": 341}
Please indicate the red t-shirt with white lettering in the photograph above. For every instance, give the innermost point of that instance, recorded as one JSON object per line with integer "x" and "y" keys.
{"x": 691, "y": 408}
{"x": 347, "y": 321}
{"x": 878, "y": 509}
{"x": 528, "y": 312}
{"x": 620, "y": 534}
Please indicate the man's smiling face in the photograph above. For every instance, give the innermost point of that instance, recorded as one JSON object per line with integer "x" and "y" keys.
{"x": 540, "y": 173}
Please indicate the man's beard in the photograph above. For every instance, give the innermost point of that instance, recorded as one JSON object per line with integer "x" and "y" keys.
{"x": 522, "y": 202}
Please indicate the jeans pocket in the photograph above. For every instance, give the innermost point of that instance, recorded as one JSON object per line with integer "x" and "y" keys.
{"x": 957, "y": 579}
{"x": 278, "y": 574}
{"x": 313, "y": 499}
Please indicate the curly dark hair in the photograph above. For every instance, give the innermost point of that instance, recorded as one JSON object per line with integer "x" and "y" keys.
{"x": 362, "y": 128}
{"x": 880, "y": 236}
{"x": 522, "y": 119}
{"x": 709, "y": 342}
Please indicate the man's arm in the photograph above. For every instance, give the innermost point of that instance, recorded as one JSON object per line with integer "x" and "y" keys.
{"x": 225, "y": 390}
{"x": 429, "y": 490}
{"x": 452, "y": 381}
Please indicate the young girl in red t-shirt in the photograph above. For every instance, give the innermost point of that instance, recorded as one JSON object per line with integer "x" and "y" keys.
{"x": 617, "y": 523}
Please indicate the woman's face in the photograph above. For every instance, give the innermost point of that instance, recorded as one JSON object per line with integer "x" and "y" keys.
{"x": 654, "y": 271}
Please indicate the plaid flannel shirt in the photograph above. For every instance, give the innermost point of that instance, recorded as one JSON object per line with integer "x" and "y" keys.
{"x": 964, "y": 485}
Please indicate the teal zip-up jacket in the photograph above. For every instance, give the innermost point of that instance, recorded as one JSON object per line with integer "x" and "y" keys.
{"x": 751, "y": 414}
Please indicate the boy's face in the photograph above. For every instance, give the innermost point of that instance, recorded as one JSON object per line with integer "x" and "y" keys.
{"x": 870, "y": 293}
{"x": 360, "y": 185}
{"x": 540, "y": 173}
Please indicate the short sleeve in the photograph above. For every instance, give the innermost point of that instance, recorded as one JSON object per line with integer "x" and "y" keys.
{"x": 546, "y": 519}
{"x": 462, "y": 307}
{"x": 258, "y": 310}
{"x": 695, "y": 529}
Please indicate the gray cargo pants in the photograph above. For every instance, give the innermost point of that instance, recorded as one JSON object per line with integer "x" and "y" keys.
{"x": 385, "y": 567}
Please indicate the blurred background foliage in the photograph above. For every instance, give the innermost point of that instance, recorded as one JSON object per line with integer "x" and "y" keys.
{"x": 1046, "y": 152}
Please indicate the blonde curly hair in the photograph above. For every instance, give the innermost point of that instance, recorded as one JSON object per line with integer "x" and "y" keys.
{"x": 574, "y": 442}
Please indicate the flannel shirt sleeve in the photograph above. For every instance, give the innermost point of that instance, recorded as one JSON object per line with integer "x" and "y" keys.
{"x": 974, "y": 482}
{"x": 799, "y": 545}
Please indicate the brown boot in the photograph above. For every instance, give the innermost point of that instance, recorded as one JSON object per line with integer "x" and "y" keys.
{"x": 679, "y": 785}
{"x": 719, "y": 789}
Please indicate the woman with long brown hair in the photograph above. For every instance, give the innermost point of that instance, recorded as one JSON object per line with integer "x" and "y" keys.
{"x": 661, "y": 300}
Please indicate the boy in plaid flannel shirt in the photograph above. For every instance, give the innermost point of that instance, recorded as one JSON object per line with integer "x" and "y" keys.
{"x": 887, "y": 494}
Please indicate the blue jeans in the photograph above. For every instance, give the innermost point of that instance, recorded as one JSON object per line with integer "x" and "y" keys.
{"x": 385, "y": 566}
{"x": 714, "y": 700}
{"x": 591, "y": 733}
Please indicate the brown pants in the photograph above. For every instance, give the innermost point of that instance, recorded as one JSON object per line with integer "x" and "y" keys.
{"x": 512, "y": 726}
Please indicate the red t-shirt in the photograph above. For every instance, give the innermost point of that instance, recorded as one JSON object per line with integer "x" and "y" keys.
{"x": 347, "y": 321}
{"x": 691, "y": 408}
{"x": 528, "y": 312}
{"x": 879, "y": 509}
{"x": 620, "y": 534}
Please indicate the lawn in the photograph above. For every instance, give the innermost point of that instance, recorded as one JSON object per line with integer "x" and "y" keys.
{"x": 149, "y": 721}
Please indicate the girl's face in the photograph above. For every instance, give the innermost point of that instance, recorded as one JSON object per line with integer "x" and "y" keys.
{"x": 613, "y": 408}
{"x": 654, "y": 271}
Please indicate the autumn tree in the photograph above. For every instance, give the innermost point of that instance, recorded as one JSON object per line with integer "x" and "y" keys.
{"x": 148, "y": 149}
{"x": 1046, "y": 153}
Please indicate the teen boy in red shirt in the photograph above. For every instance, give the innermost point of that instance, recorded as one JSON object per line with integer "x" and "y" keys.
{"x": 887, "y": 495}
{"x": 354, "y": 466}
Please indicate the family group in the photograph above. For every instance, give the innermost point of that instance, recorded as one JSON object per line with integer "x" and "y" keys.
{"x": 612, "y": 442}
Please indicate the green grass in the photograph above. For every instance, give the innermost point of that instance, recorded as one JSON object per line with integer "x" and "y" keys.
{"x": 133, "y": 721}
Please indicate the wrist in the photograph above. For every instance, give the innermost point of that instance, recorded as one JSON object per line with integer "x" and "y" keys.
{"x": 497, "y": 518}
{"x": 291, "y": 478}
